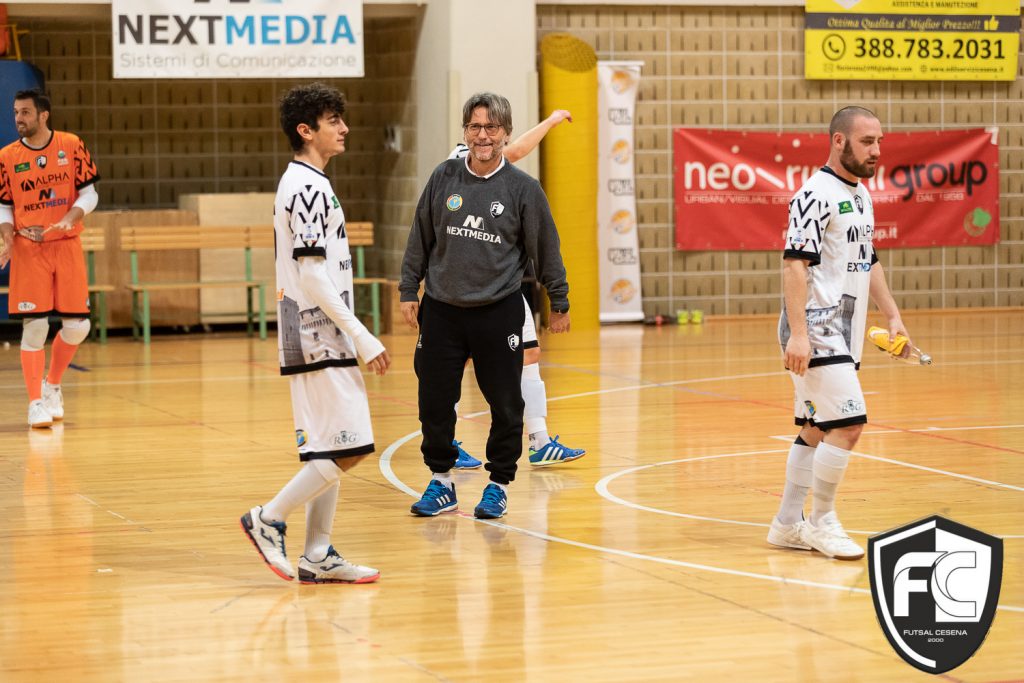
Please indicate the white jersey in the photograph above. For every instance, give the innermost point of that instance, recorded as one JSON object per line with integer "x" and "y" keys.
{"x": 831, "y": 224}
{"x": 309, "y": 221}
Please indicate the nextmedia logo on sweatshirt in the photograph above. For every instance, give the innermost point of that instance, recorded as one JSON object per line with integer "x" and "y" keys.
{"x": 473, "y": 228}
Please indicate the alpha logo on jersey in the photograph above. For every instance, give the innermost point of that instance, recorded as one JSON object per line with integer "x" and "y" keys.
{"x": 454, "y": 202}
{"x": 41, "y": 161}
{"x": 935, "y": 585}
{"x": 513, "y": 341}
{"x": 301, "y": 437}
{"x": 845, "y": 207}
{"x": 497, "y": 208}
{"x": 344, "y": 438}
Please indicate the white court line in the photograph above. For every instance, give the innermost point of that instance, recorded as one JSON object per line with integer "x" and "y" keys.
{"x": 385, "y": 468}
{"x": 939, "y": 429}
{"x": 602, "y": 489}
{"x": 911, "y": 465}
{"x": 389, "y": 474}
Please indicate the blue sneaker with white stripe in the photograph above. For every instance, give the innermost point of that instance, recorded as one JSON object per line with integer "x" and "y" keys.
{"x": 493, "y": 505}
{"x": 553, "y": 453}
{"x": 465, "y": 461}
{"x": 436, "y": 499}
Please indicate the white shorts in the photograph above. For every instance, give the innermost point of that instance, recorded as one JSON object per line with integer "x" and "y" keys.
{"x": 332, "y": 414}
{"x": 529, "y": 328}
{"x": 828, "y": 397}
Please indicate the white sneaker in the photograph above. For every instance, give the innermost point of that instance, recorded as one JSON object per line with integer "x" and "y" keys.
{"x": 335, "y": 569}
{"x": 786, "y": 535}
{"x": 53, "y": 399}
{"x": 829, "y": 538}
{"x": 38, "y": 416}
{"x": 268, "y": 537}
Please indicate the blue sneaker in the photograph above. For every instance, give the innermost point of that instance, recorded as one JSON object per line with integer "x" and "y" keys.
{"x": 436, "y": 499}
{"x": 494, "y": 503}
{"x": 465, "y": 461}
{"x": 553, "y": 453}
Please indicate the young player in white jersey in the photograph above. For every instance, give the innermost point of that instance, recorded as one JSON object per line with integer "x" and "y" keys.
{"x": 544, "y": 450}
{"x": 829, "y": 271}
{"x": 319, "y": 339}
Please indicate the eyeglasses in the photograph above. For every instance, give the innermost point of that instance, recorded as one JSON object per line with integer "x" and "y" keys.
{"x": 474, "y": 128}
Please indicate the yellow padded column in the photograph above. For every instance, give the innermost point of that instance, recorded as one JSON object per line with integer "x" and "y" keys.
{"x": 568, "y": 74}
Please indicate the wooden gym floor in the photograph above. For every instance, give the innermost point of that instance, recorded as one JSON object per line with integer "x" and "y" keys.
{"x": 122, "y": 557}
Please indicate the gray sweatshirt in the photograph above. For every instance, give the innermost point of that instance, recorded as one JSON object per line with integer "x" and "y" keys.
{"x": 472, "y": 238}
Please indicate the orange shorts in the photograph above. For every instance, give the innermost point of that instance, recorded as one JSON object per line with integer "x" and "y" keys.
{"x": 48, "y": 278}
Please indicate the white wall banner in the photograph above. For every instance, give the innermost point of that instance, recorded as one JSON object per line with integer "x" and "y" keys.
{"x": 237, "y": 38}
{"x": 617, "y": 241}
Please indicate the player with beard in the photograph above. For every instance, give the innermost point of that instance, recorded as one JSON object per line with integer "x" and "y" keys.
{"x": 47, "y": 186}
{"x": 830, "y": 270}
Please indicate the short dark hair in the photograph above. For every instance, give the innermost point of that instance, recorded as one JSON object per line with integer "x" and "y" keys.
{"x": 306, "y": 104}
{"x": 842, "y": 120}
{"x": 498, "y": 109}
{"x": 38, "y": 97}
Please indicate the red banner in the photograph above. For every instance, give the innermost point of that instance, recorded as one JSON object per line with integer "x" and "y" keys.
{"x": 732, "y": 189}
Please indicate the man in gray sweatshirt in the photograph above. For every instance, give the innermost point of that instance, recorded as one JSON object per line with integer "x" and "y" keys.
{"x": 478, "y": 222}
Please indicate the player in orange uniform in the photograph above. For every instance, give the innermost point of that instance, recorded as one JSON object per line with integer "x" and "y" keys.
{"x": 47, "y": 183}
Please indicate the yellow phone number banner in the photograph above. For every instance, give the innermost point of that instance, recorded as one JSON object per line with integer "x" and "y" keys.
{"x": 912, "y": 40}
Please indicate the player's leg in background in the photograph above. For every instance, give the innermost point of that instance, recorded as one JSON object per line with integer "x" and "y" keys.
{"x": 543, "y": 449}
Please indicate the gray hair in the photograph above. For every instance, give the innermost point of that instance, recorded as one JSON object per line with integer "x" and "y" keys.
{"x": 842, "y": 120}
{"x": 498, "y": 109}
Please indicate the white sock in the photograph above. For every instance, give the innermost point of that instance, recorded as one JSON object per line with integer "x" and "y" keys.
{"x": 799, "y": 477}
{"x": 308, "y": 483}
{"x": 535, "y": 400}
{"x": 445, "y": 478}
{"x": 829, "y": 467}
{"x": 319, "y": 523}
{"x": 503, "y": 487}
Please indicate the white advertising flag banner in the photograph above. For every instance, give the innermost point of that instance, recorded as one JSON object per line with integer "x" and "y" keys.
{"x": 237, "y": 38}
{"x": 617, "y": 241}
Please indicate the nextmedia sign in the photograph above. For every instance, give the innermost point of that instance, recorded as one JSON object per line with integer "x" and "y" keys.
{"x": 237, "y": 38}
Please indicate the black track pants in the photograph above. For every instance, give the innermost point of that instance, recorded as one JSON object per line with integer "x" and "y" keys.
{"x": 492, "y": 336}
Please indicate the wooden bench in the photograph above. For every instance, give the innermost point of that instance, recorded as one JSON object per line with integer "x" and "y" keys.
{"x": 360, "y": 234}
{"x": 92, "y": 241}
{"x": 181, "y": 237}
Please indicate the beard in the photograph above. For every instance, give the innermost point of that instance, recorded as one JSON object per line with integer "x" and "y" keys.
{"x": 861, "y": 169}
